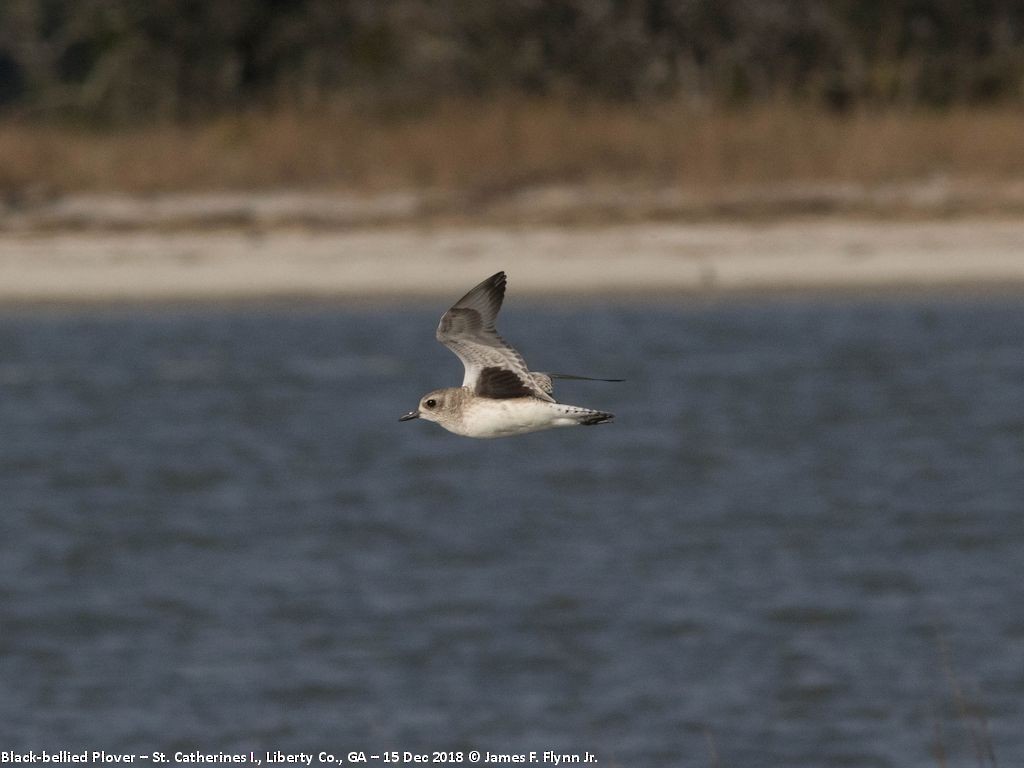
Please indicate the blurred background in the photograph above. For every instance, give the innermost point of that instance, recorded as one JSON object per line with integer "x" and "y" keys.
{"x": 487, "y": 97}
{"x": 227, "y": 231}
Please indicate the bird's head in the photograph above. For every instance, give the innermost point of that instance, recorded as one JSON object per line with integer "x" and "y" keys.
{"x": 433, "y": 406}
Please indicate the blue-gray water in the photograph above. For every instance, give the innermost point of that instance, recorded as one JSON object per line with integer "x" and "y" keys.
{"x": 803, "y": 535}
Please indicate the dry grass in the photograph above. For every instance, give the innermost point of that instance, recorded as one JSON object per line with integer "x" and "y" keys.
{"x": 512, "y": 144}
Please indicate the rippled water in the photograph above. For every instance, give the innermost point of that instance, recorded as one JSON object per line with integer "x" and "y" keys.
{"x": 801, "y": 538}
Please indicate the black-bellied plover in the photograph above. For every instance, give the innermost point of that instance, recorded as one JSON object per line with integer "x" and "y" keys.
{"x": 499, "y": 395}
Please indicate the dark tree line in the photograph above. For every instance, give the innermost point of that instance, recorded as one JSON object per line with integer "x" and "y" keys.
{"x": 176, "y": 59}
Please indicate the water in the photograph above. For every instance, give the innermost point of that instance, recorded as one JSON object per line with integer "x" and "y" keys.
{"x": 801, "y": 544}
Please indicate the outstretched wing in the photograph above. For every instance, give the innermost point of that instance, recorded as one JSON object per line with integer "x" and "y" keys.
{"x": 493, "y": 368}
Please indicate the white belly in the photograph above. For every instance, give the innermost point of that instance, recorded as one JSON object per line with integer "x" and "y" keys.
{"x": 500, "y": 418}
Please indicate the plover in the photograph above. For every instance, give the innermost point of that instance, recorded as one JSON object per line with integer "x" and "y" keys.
{"x": 499, "y": 395}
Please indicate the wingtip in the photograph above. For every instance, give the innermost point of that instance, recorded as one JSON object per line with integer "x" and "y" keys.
{"x": 571, "y": 377}
{"x": 495, "y": 287}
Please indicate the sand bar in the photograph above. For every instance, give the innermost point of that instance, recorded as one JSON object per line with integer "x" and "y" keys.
{"x": 715, "y": 259}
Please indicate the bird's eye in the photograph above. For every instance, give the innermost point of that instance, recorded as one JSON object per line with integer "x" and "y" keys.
{"x": 430, "y": 403}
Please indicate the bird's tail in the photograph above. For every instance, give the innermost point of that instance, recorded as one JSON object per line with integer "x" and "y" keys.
{"x": 575, "y": 414}
{"x": 595, "y": 417}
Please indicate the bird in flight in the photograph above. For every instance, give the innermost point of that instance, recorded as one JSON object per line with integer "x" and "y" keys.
{"x": 499, "y": 395}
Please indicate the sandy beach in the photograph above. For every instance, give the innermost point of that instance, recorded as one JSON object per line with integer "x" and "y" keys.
{"x": 713, "y": 259}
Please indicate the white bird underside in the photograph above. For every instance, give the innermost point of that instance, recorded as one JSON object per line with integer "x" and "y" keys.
{"x": 520, "y": 415}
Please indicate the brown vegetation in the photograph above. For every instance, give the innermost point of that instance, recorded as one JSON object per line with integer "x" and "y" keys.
{"x": 484, "y": 147}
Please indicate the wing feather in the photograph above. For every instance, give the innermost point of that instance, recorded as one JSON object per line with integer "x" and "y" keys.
{"x": 467, "y": 329}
